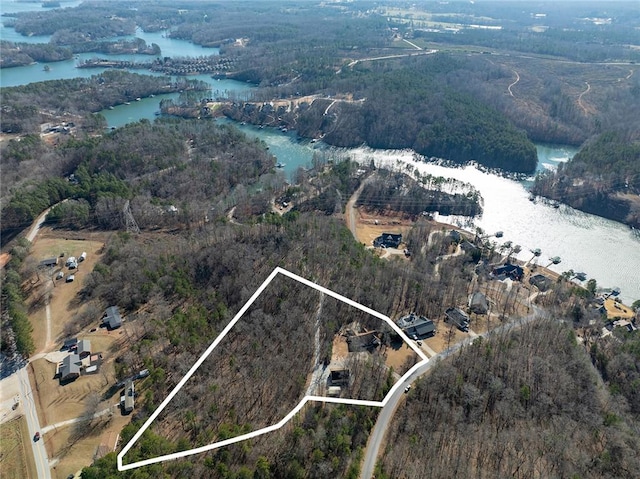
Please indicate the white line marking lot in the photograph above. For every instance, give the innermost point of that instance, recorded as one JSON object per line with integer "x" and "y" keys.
{"x": 294, "y": 411}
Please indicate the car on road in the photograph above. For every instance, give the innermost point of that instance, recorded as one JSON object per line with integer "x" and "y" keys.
{"x": 36, "y": 436}
{"x": 407, "y": 389}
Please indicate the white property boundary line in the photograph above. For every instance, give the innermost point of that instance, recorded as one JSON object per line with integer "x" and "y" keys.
{"x": 295, "y": 410}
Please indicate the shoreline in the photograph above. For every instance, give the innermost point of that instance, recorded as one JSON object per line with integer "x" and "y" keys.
{"x": 583, "y": 241}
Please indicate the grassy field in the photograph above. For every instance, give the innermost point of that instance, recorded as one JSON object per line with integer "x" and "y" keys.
{"x": 16, "y": 458}
{"x": 72, "y": 446}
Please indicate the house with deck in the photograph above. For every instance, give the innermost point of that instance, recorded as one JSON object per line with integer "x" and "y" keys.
{"x": 387, "y": 240}
{"x": 417, "y": 327}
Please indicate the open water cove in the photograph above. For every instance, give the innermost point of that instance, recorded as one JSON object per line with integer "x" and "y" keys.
{"x": 605, "y": 250}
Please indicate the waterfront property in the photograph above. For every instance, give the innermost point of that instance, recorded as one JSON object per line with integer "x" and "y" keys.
{"x": 540, "y": 281}
{"x": 508, "y": 270}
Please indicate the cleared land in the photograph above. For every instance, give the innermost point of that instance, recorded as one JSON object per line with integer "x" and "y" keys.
{"x": 61, "y": 296}
{"x": 70, "y": 447}
{"x": 16, "y": 458}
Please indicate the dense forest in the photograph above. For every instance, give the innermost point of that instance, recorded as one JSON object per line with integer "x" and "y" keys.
{"x": 397, "y": 192}
{"x": 16, "y": 54}
{"x": 193, "y": 207}
{"x": 523, "y": 404}
{"x": 215, "y": 269}
{"x": 456, "y": 108}
{"x": 154, "y": 165}
{"x": 411, "y": 106}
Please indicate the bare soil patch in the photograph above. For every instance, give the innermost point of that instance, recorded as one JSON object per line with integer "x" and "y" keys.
{"x": 370, "y": 226}
{"x": 397, "y": 358}
{"x": 447, "y": 335}
{"x": 340, "y": 348}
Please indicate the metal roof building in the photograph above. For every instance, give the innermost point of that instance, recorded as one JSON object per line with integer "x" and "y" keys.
{"x": 70, "y": 368}
{"x": 113, "y": 319}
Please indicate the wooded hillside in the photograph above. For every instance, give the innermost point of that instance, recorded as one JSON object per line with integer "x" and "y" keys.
{"x": 525, "y": 404}
{"x": 603, "y": 178}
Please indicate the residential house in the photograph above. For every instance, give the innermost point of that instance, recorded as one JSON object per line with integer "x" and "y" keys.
{"x": 388, "y": 240}
{"x": 339, "y": 377}
{"x": 468, "y": 247}
{"x": 508, "y": 270}
{"x": 540, "y": 281}
{"x": 112, "y": 318}
{"x": 84, "y": 348}
{"x": 127, "y": 402}
{"x": 363, "y": 342}
{"x": 458, "y": 318}
{"x": 70, "y": 343}
{"x": 478, "y": 303}
{"x": 70, "y": 368}
{"x": 455, "y": 236}
{"x": 417, "y": 327}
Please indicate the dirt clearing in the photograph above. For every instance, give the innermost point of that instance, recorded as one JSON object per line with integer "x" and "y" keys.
{"x": 370, "y": 226}
{"x": 48, "y": 330}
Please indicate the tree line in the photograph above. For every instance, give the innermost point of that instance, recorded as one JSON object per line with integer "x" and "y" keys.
{"x": 18, "y": 54}
{"x": 602, "y": 178}
{"x": 57, "y": 99}
{"x": 522, "y": 404}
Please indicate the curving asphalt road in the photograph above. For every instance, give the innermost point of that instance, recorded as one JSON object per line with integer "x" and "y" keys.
{"x": 388, "y": 411}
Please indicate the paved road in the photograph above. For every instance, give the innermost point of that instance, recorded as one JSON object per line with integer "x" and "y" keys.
{"x": 388, "y": 411}
{"x": 389, "y": 57}
{"x": 37, "y": 224}
{"x": 29, "y": 405}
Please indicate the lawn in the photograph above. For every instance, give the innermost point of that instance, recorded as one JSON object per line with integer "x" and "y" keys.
{"x": 16, "y": 457}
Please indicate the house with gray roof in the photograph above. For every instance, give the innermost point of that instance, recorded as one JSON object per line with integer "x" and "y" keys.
{"x": 84, "y": 348}
{"x": 112, "y": 318}
{"x": 457, "y": 317}
{"x": 417, "y": 327}
{"x": 70, "y": 368}
{"x": 478, "y": 303}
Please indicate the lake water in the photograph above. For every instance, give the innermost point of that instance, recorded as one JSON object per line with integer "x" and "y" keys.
{"x": 603, "y": 249}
